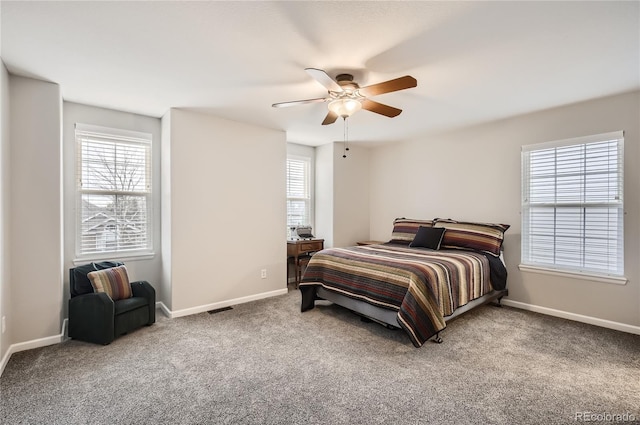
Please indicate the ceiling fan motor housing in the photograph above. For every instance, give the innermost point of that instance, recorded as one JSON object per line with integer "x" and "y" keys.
{"x": 346, "y": 82}
{"x": 344, "y": 77}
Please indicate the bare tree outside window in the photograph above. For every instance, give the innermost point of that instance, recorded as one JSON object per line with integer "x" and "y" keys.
{"x": 114, "y": 188}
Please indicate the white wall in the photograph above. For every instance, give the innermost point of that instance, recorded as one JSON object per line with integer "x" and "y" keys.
{"x": 146, "y": 269}
{"x": 35, "y": 209}
{"x": 165, "y": 293}
{"x": 474, "y": 174}
{"x": 226, "y": 216}
{"x": 5, "y": 202}
{"x": 351, "y": 195}
{"x": 342, "y": 195}
{"x": 324, "y": 194}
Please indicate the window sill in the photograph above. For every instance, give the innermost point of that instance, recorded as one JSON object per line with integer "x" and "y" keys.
{"x": 617, "y": 280}
{"x": 115, "y": 257}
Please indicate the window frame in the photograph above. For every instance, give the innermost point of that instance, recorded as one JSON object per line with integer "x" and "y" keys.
{"x": 528, "y": 262}
{"x": 309, "y": 182}
{"x": 126, "y": 138}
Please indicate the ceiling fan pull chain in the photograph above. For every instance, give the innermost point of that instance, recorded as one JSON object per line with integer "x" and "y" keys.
{"x": 345, "y": 136}
{"x": 346, "y": 121}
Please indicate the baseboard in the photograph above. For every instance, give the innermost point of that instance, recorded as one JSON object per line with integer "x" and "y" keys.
{"x": 221, "y": 304}
{"x": 623, "y": 327}
{"x": 163, "y": 308}
{"x": 35, "y": 343}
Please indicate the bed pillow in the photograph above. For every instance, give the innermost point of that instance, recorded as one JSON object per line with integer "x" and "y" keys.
{"x": 113, "y": 281}
{"x": 485, "y": 237}
{"x": 405, "y": 229}
{"x": 428, "y": 237}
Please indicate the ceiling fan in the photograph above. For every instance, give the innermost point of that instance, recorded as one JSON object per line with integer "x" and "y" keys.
{"x": 346, "y": 97}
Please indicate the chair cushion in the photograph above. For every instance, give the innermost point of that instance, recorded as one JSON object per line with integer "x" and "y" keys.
{"x": 113, "y": 281}
{"x": 126, "y": 305}
{"x": 79, "y": 282}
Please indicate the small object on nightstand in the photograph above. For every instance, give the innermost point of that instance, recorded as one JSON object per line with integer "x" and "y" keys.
{"x": 304, "y": 232}
{"x": 369, "y": 243}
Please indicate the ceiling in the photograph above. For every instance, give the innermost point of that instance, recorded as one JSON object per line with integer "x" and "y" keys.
{"x": 474, "y": 61}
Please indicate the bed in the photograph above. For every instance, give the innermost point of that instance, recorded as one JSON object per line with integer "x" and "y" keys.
{"x": 430, "y": 272}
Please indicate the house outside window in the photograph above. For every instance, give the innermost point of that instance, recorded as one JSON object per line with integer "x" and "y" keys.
{"x": 572, "y": 205}
{"x": 299, "y": 200}
{"x": 113, "y": 197}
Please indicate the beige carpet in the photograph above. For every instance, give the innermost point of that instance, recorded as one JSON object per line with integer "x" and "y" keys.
{"x": 266, "y": 363}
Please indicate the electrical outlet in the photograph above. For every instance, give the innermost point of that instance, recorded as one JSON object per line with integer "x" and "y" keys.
{"x": 263, "y": 274}
{"x": 4, "y": 323}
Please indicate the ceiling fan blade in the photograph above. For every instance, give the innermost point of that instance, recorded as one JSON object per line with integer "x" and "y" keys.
{"x": 330, "y": 118}
{"x": 380, "y": 108}
{"x": 401, "y": 83}
{"x": 324, "y": 79}
{"x": 298, "y": 102}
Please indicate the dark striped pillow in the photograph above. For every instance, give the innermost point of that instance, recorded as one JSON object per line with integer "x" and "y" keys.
{"x": 486, "y": 237}
{"x": 405, "y": 229}
{"x": 113, "y": 281}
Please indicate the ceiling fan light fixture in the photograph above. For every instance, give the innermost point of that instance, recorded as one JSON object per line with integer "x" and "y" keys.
{"x": 345, "y": 107}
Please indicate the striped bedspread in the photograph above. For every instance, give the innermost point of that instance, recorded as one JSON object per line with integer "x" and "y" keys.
{"x": 422, "y": 285}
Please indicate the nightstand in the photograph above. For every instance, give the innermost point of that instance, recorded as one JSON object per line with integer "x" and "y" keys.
{"x": 300, "y": 248}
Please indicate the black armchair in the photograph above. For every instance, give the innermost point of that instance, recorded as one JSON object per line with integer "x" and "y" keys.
{"x": 95, "y": 317}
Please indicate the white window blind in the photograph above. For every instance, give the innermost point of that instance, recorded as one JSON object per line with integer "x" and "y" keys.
{"x": 113, "y": 178}
{"x": 572, "y": 204}
{"x": 298, "y": 191}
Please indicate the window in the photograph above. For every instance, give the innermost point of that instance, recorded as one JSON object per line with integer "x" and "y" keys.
{"x": 572, "y": 205}
{"x": 298, "y": 191}
{"x": 113, "y": 176}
